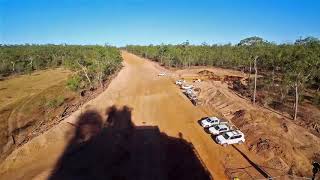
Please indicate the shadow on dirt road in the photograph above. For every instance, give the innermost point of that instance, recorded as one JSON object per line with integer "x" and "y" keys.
{"x": 119, "y": 150}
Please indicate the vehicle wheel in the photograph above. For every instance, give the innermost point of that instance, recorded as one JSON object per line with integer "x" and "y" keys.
{"x": 240, "y": 142}
{"x": 224, "y": 145}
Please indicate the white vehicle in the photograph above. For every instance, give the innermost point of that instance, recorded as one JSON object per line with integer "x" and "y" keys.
{"x": 231, "y": 137}
{"x": 220, "y": 128}
{"x": 189, "y": 92}
{"x": 162, "y": 74}
{"x": 209, "y": 121}
{"x": 192, "y": 96}
{"x": 180, "y": 82}
{"x": 186, "y": 86}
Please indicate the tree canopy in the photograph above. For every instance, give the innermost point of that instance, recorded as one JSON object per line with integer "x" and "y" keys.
{"x": 286, "y": 66}
{"x": 91, "y": 64}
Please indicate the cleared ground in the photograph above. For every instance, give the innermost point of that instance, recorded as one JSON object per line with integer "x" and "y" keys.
{"x": 154, "y": 102}
{"x": 17, "y": 88}
{"x": 279, "y": 144}
{"x": 27, "y": 99}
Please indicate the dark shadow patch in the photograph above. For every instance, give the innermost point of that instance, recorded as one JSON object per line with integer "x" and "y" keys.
{"x": 213, "y": 137}
{"x": 207, "y": 130}
{"x": 263, "y": 172}
{"x": 117, "y": 149}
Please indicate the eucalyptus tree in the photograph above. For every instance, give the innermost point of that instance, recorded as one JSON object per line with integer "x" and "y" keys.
{"x": 256, "y": 46}
{"x": 284, "y": 67}
{"x": 301, "y": 66}
{"x": 90, "y": 63}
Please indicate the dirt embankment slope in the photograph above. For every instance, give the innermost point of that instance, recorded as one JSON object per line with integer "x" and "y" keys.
{"x": 279, "y": 144}
{"x": 24, "y": 103}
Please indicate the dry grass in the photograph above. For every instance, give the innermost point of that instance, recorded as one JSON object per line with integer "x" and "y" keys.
{"x": 27, "y": 100}
{"x": 17, "y": 88}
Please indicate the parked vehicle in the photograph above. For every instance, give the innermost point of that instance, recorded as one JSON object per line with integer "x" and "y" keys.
{"x": 218, "y": 129}
{"x": 189, "y": 91}
{"x": 162, "y": 74}
{"x": 186, "y": 86}
{"x": 209, "y": 121}
{"x": 230, "y": 137}
{"x": 180, "y": 82}
{"x": 192, "y": 96}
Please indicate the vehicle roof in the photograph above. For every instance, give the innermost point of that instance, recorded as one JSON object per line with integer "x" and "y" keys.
{"x": 223, "y": 126}
{"x": 214, "y": 118}
{"x": 233, "y": 133}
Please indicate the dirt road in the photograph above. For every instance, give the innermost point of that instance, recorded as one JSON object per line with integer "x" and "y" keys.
{"x": 155, "y": 101}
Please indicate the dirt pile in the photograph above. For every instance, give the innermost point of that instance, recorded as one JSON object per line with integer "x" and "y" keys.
{"x": 271, "y": 148}
{"x": 205, "y": 74}
{"x": 279, "y": 142}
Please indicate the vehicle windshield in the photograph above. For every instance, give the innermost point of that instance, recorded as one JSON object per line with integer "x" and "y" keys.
{"x": 217, "y": 127}
{"x": 225, "y": 135}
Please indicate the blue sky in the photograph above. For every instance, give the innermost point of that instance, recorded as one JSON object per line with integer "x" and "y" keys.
{"x": 121, "y": 22}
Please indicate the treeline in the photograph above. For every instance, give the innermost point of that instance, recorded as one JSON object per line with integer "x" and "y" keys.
{"x": 91, "y": 63}
{"x": 287, "y": 67}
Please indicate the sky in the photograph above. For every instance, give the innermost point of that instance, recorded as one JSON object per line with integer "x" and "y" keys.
{"x": 122, "y": 22}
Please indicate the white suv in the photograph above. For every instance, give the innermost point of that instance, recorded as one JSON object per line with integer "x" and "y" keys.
{"x": 231, "y": 137}
{"x": 180, "y": 82}
{"x": 209, "y": 121}
{"x": 220, "y": 128}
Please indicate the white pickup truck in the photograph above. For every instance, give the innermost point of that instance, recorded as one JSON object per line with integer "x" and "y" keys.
{"x": 231, "y": 137}
{"x": 209, "y": 121}
{"x": 220, "y": 128}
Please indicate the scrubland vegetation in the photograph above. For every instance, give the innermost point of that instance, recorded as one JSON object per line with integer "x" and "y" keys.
{"x": 91, "y": 64}
{"x": 286, "y": 73}
{"x": 39, "y": 86}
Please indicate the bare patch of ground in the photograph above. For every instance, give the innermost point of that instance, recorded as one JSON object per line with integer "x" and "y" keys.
{"x": 156, "y": 101}
{"x": 38, "y": 102}
{"x": 24, "y": 102}
{"x": 275, "y": 140}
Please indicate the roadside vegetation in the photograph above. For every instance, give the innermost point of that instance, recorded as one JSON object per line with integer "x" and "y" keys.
{"x": 91, "y": 64}
{"x": 41, "y": 84}
{"x": 280, "y": 75}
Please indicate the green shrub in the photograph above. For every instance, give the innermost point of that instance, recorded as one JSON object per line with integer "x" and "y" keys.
{"x": 74, "y": 83}
{"x": 316, "y": 99}
{"x": 56, "y": 102}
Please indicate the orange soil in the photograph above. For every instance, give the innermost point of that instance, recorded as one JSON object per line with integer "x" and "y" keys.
{"x": 155, "y": 101}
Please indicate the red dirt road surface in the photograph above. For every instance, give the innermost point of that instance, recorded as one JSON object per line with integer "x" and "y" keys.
{"x": 154, "y": 102}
